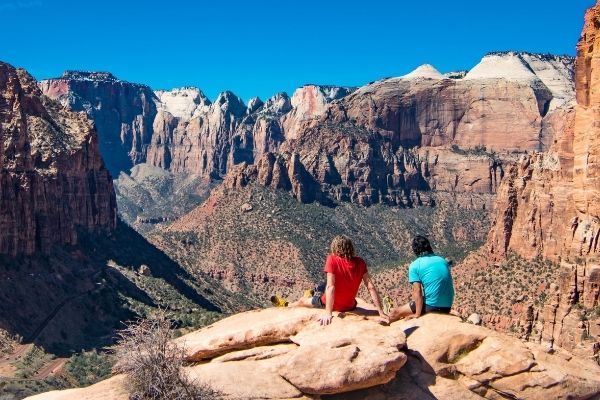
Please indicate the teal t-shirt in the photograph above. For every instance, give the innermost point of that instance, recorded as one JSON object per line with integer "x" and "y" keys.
{"x": 434, "y": 274}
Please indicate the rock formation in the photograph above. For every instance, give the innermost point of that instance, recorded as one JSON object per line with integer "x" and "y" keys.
{"x": 547, "y": 206}
{"x": 52, "y": 180}
{"x": 285, "y": 353}
{"x": 586, "y": 141}
{"x": 394, "y": 141}
{"x": 123, "y": 113}
{"x": 400, "y": 141}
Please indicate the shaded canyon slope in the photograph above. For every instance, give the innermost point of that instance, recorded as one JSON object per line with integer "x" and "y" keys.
{"x": 68, "y": 267}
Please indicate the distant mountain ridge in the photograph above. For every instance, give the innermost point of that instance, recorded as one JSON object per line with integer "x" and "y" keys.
{"x": 421, "y": 115}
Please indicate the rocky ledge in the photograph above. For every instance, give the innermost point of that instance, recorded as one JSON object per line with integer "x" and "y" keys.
{"x": 284, "y": 354}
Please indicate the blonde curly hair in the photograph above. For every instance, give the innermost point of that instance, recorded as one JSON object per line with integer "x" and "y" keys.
{"x": 342, "y": 246}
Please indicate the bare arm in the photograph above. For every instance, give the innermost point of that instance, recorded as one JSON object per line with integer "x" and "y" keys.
{"x": 373, "y": 292}
{"x": 417, "y": 295}
{"x": 329, "y": 299}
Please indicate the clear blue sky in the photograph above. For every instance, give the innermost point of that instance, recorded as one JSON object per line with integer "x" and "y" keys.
{"x": 259, "y": 47}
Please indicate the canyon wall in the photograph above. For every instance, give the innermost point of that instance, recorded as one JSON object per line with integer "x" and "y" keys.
{"x": 394, "y": 141}
{"x": 548, "y": 207}
{"x": 123, "y": 113}
{"x": 422, "y": 138}
{"x": 52, "y": 178}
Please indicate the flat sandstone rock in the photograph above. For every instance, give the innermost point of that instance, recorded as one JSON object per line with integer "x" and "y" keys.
{"x": 285, "y": 354}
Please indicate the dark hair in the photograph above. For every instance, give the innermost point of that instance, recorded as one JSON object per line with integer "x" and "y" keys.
{"x": 421, "y": 246}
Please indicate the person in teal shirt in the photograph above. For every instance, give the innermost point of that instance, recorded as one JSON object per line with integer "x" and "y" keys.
{"x": 431, "y": 280}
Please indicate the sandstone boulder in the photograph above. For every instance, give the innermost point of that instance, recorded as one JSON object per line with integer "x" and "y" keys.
{"x": 114, "y": 388}
{"x": 449, "y": 359}
{"x": 474, "y": 319}
{"x": 246, "y": 330}
{"x": 144, "y": 270}
{"x": 284, "y": 353}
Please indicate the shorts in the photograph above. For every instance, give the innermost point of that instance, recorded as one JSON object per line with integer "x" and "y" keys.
{"x": 429, "y": 309}
{"x": 317, "y": 302}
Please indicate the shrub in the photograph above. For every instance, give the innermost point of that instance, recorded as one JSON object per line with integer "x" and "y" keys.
{"x": 89, "y": 367}
{"x": 153, "y": 363}
{"x": 6, "y": 342}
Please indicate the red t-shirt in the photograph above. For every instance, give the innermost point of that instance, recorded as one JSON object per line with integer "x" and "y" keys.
{"x": 348, "y": 275}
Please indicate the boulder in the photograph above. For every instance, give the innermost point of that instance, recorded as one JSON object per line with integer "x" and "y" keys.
{"x": 144, "y": 270}
{"x": 474, "y": 319}
{"x": 344, "y": 356}
{"x": 280, "y": 353}
{"x": 450, "y": 359}
{"x": 246, "y": 330}
{"x": 246, "y": 207}
{"x": 110, "y": 389}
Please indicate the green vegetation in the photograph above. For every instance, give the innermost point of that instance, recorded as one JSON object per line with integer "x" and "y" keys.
{"x": 89, "y": 367}
{"x": 495, "y": 288}
{"x": 33, "y": 360}
{"x": 472, "y": 151}
{"x": 282, "y": 237}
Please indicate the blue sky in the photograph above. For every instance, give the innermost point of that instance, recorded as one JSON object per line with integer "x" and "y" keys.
{"x": 260, "y": 47}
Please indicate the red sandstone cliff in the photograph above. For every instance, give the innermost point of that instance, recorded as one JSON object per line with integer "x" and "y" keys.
{"x": 52, "y": 178}
{"x": 400, "y": 141}
{"x": 548, "y": 206}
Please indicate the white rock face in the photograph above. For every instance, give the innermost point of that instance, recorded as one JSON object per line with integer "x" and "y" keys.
{"x": 184, "y": 103}
{"x": 310, "y": 102}
{"x": 555, "y": 72}
{"x": 508, "y": 66}
{"x": 426, "y": 71}
{"x": 254, "y": 104}
{"x": 278, "y": 104}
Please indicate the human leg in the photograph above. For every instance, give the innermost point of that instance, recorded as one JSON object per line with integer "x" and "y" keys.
{"x": 400, "y": 312}
{"x": 303, "y": 302}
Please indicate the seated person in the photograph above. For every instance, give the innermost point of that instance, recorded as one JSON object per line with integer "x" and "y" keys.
{"x": 431, "y": 280}
{"x": 345, "y": 272}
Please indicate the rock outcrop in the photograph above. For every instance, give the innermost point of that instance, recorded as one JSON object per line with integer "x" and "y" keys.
{"x": 52, "y": 178}
{"x": 285, "y": 353}
{"x": 123, "y": 113}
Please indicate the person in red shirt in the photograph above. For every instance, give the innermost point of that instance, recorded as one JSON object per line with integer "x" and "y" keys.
{"x": 345, "y": 271}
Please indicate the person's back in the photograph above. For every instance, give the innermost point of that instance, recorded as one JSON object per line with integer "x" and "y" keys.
{"x": 344, "y": 272}
{"x": 434, "y": 274}
{"x": 431, "y": 280}
{"x": 348, "y": 273}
